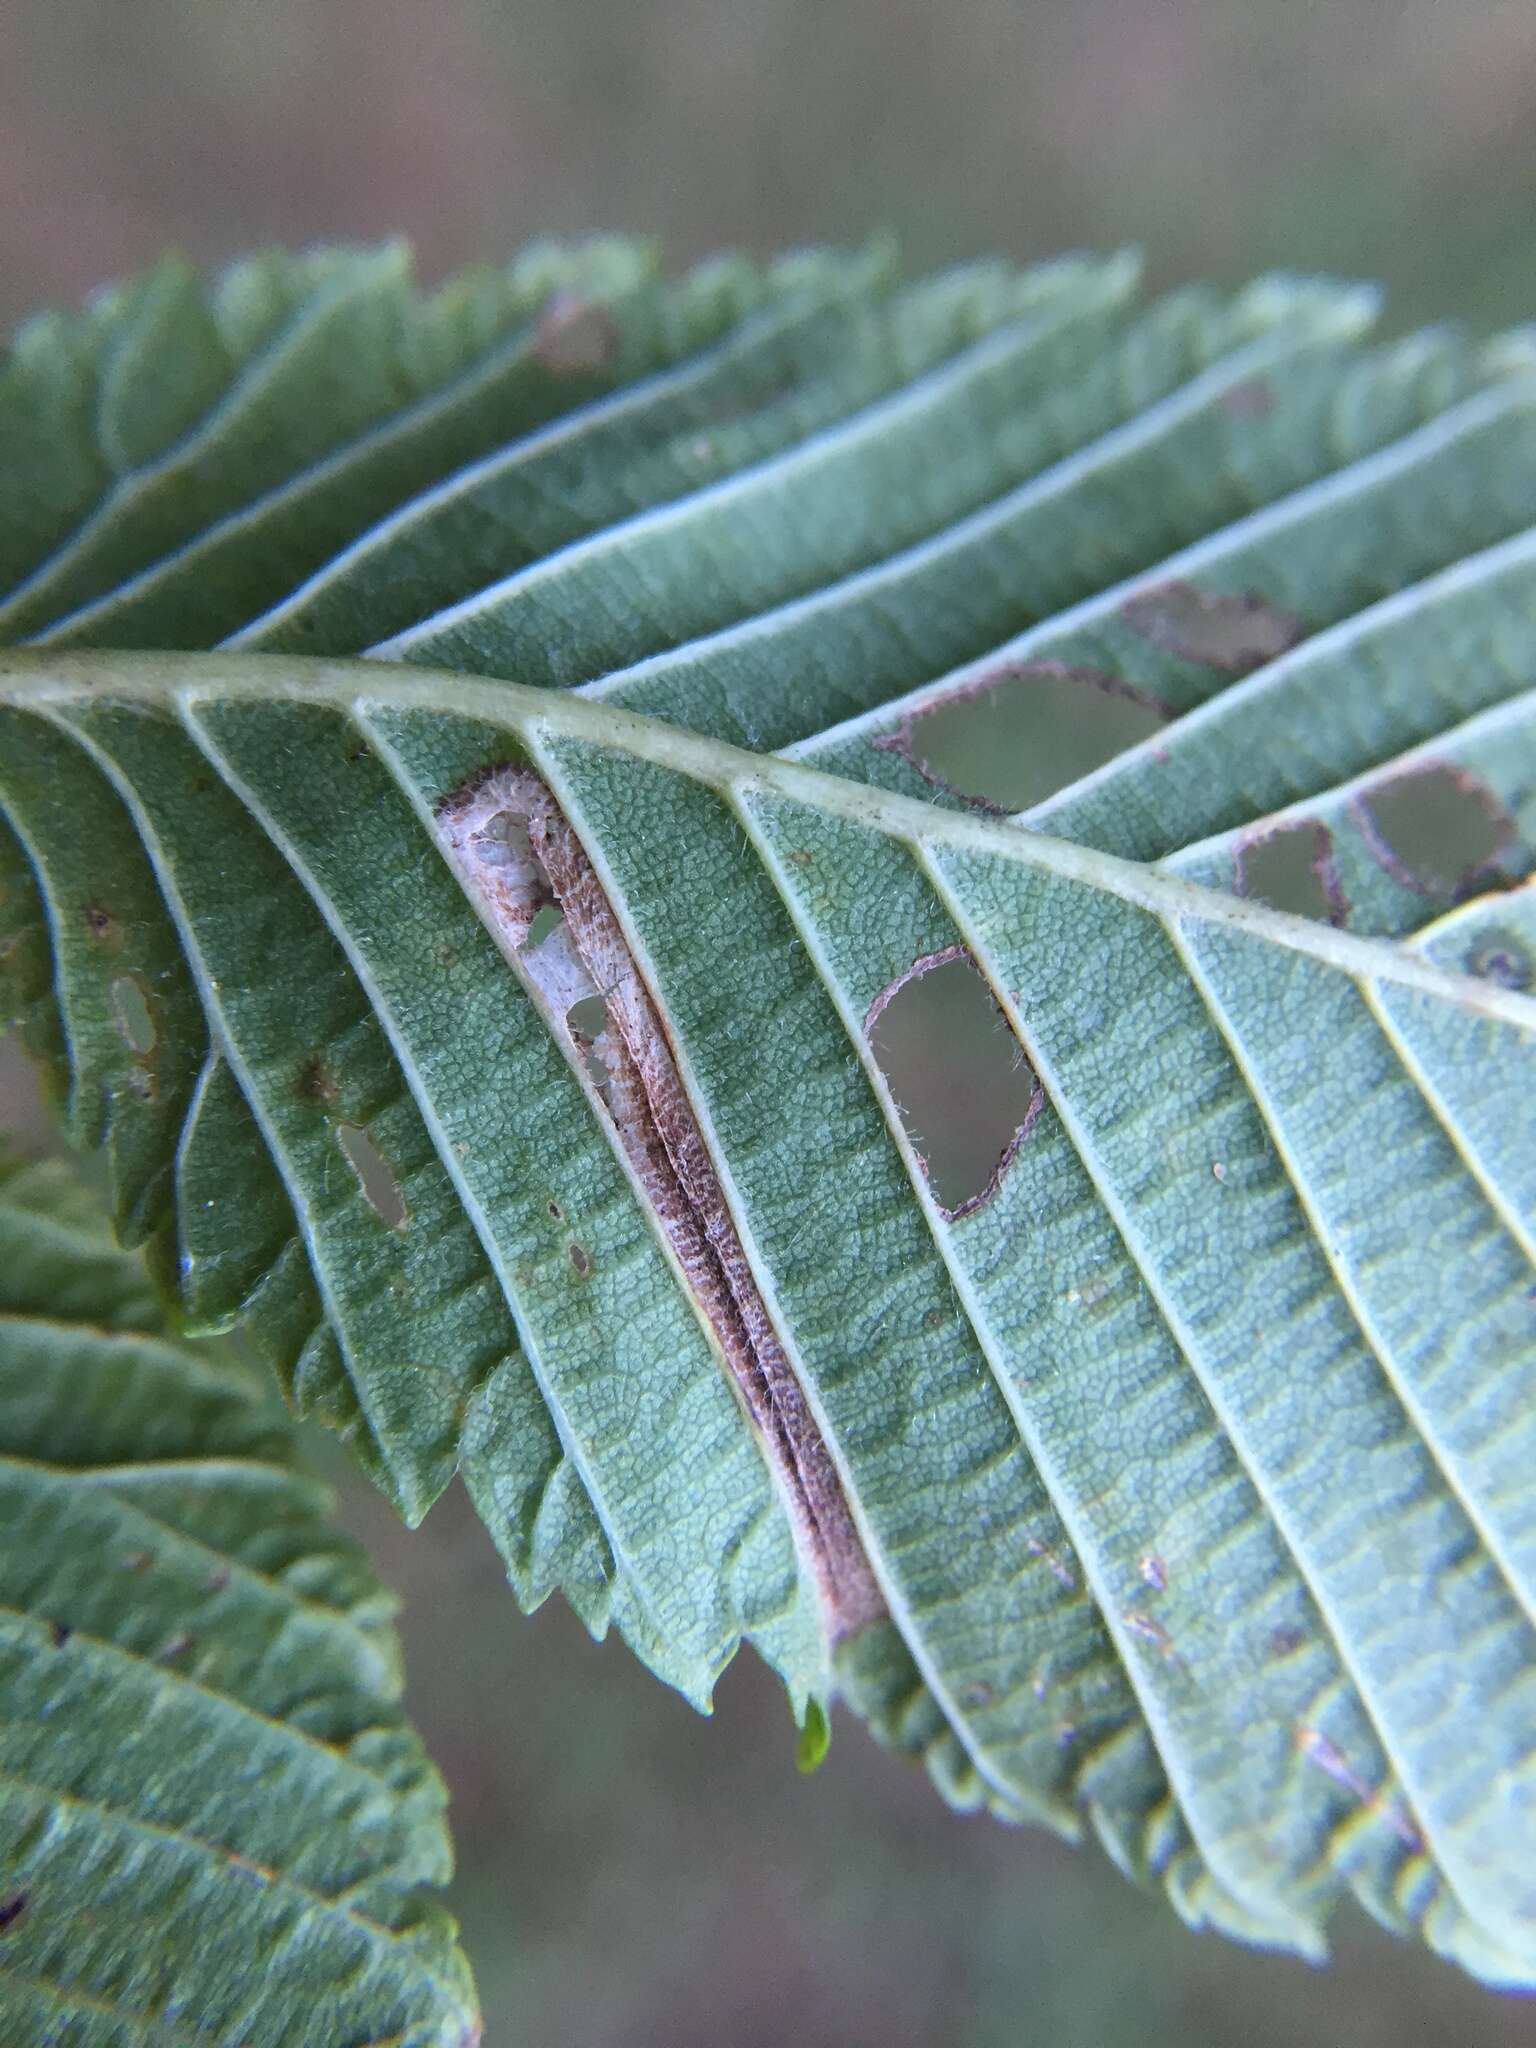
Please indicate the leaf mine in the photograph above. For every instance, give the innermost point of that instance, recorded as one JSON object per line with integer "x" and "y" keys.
{"x": 519, "y": 859}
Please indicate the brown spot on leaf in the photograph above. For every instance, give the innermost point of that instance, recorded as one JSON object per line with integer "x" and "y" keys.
{"x": 1253, "y": 399}
{"x": 555, "y": 1210}
{"x": 1438, "y": 830}
{"x": 967, "y": 1096}
{"x": 1291, "y": 867}
{"x": 580, "y": 1258}
{"x": 12, "y": 1906}
{"x": 317, "y": 1083}
{"x": 1285, "y": 1642}
{"x": 1318, "y": 1749}
{"x": 1057, "y": 1565}
{"x": 59, "y": 1633}
{"x": 1151, "y": 1631}
{"x": 103, "y": 927}
{"x": 575, "y": 336}
{"x": 1015, "y": 736}
{"x": 1233, "y": 632}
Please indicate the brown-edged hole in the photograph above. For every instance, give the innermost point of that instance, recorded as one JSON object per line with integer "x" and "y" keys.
{"x": 964, "y": 1089}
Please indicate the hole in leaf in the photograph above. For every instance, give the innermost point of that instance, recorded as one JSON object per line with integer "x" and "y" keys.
{"x": 131, "y": 1014}
{"x": 587, "y": 1019}
{"x": 544, "y": 921}
{"x": 1292, "y": 868}
{"x": 1440, "y": 830}
{"x": 375, "y": 1176}
{"x": 1022, "y": 733}
{"x": 1230, "y": 631}
{"x": 966, "y": 1094}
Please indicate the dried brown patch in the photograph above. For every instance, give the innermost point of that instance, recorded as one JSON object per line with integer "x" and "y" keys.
{"x": 317, "y": 1083}
{"x": 575, "y": 336}
{"x": 103, "y": 927}
{"x": 1233, "y": 632}
{"x": 1253, "y": 399}
{"x": 517, "y": 854}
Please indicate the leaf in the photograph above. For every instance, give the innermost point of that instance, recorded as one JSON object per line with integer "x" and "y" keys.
{"x": 214, "y": 1821}
{"x": 526, "y": 1074}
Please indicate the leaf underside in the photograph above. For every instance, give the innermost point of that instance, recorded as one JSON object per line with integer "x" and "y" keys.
{"x": 1191, "y": 1456}
{"x": 215, "y": 1823}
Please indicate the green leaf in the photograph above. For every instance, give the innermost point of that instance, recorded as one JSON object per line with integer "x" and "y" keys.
{"x": 214, "y": 1822}
{"x": 565, "y": 1091}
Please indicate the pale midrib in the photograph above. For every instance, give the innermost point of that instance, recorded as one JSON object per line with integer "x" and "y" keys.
{"x": 44, "y": 683}
{"x": 213, "y": 1011}
{"x": 1183, "y": 1788}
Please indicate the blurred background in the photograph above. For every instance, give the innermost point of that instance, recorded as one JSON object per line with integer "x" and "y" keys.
{"x": 630, "y": 1874}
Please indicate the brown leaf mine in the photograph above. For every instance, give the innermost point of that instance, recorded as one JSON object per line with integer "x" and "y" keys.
{"x": 519, "y": 857}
